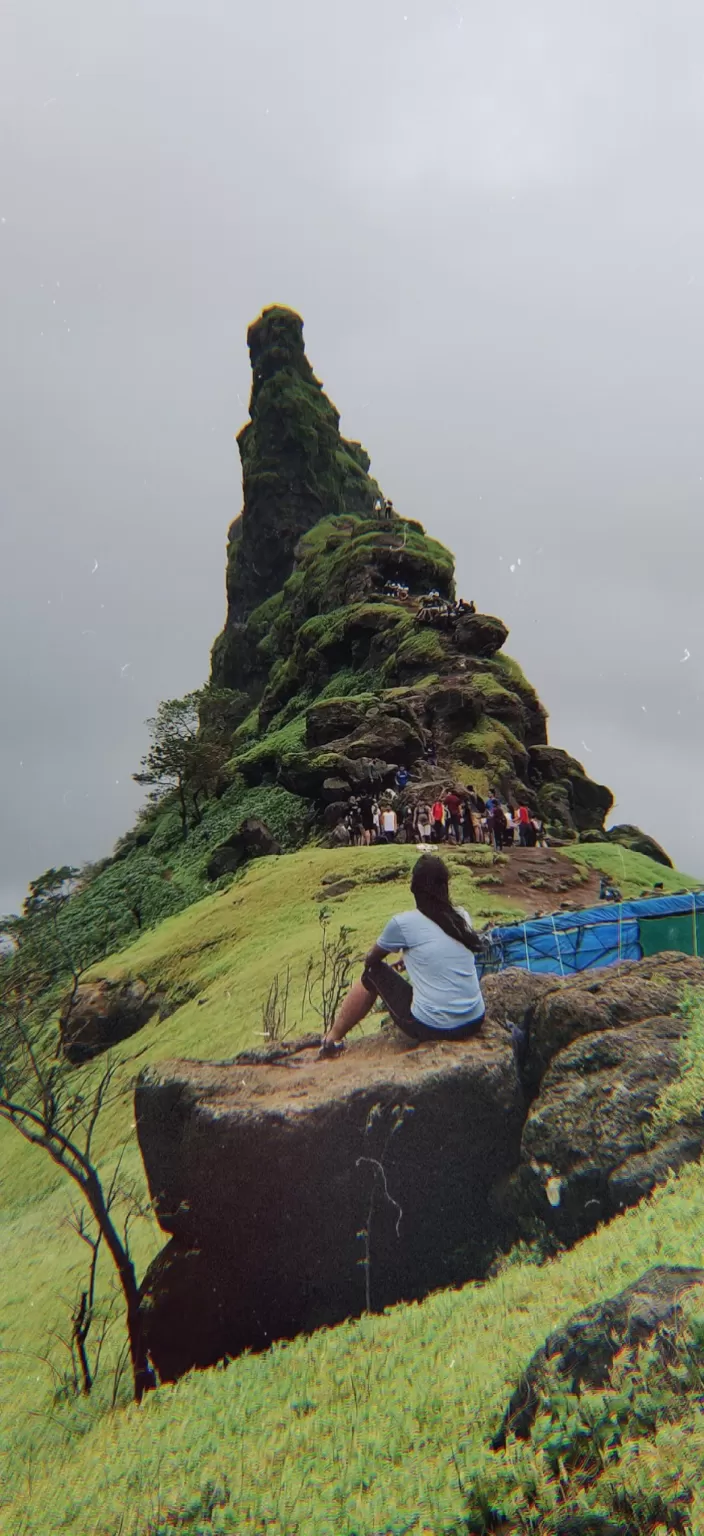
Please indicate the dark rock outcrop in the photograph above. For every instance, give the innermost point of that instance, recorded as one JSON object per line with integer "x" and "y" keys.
{"x": 639, "y": 842}
{"x": 103, "y": 1013}
{"x": 590, "y": 1147}
{"x": 582, "y": 1353}
{"x": 566, "y": 796}
{"x": 267, "y": 1175}
{"x": 593, "y": 1001}
{"x": 480, "y": 634}
{"x": 252, "y": 840}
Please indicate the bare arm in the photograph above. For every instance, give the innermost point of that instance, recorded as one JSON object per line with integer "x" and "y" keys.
{"x": 377, "y": 953}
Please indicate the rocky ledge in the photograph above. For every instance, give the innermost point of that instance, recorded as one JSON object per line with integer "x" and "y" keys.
{"x": 297, "y": 1193}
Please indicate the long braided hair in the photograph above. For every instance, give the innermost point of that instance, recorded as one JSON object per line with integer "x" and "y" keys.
{"x": 430, "y": 884}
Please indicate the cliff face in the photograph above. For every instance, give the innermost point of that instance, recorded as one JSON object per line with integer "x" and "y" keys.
{"x": 338, "y": 677}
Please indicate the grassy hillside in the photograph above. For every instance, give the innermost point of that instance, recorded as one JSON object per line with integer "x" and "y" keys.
{"x": 351, "y": 1431}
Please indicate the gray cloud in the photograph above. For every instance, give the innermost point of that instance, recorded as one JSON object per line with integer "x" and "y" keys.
{"x": 489, "y": 218}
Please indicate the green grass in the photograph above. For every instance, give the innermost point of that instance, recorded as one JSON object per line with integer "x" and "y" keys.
{"x": 351, "y": 1431}
{"x": 631, "y": 872}
{"x": 491, "y": 746}
{"x": 684, "y": 1098}
{"x": 359, "y": 1429}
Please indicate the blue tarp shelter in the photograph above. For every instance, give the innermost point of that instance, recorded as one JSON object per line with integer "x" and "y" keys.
{"x": 566, "y": 942}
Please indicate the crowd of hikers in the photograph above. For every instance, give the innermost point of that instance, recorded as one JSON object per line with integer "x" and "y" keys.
{"x": 452, "y": 817}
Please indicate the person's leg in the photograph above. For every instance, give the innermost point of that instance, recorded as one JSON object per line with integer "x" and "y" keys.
{"x": 379, "y": 980}
{"x": 354, "y": 1007}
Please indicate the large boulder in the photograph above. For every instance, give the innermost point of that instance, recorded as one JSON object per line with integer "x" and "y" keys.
{"x": 480, "y": 634}
{"x": 567, "y": 798}
{"x": 593, "y": 1001}
{"x": 101, "y": 1013}
{"x": 334, "y": 718}
{"x": 365, "y": 727}
{"x": 457, "y": 706}
{"x": 370, "y": 773}
{"x": 583, "y": 1352}
{"x": 591, "y": 1144}
{"x": 334, "y": 790}
{"x": 335, "y": 812}
{"x": 299, "y": 1192}
{"x": 252, "y": 840}
{"x": 639, "y": 842}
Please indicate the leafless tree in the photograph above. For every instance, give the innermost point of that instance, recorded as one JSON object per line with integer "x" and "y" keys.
{"x": 54, "y": 1108}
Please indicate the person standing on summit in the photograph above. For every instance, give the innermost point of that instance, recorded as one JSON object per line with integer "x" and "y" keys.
{"x": 454, "y": 808}
{"x": 523, "y": 818}
{"x": 438, "y": 822}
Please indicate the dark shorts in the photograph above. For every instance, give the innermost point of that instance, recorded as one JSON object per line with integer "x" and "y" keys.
{"x": 397, "y": 994}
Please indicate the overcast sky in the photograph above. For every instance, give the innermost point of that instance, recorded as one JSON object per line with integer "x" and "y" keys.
{"x": 491, "y": 219}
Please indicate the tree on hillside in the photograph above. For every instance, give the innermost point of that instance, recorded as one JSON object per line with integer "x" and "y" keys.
{"x": 45, "y": 1101}
{"x": 180, "y": 758}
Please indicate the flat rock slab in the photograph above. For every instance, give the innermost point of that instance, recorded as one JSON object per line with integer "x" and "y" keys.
{"x": 299, "y": 1191}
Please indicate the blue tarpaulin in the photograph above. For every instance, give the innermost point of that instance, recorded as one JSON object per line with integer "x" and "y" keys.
{"x": 565, "y": 942}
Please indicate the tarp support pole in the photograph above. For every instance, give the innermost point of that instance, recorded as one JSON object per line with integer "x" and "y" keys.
{"x": 525, "y": 941}
{"x": 557, "y": 945}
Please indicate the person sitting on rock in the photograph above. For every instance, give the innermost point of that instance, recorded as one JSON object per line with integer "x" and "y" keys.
{"x": 443, "y": 999}
{"x": 401, "y": 778}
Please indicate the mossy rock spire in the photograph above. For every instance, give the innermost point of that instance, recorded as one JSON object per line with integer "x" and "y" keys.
{"x": 330, "y": 619}
{"x": 296, "y": 470}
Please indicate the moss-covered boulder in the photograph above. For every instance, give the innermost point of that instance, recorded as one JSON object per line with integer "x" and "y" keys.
{"x": 639, "y": 842}
{"x": 568, "y": 800}
{"x": 479, "y": 634}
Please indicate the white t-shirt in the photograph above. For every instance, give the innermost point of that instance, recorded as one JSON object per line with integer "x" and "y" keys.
{"x": 388, "y": 821}
{"x": 446, "y": 991}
